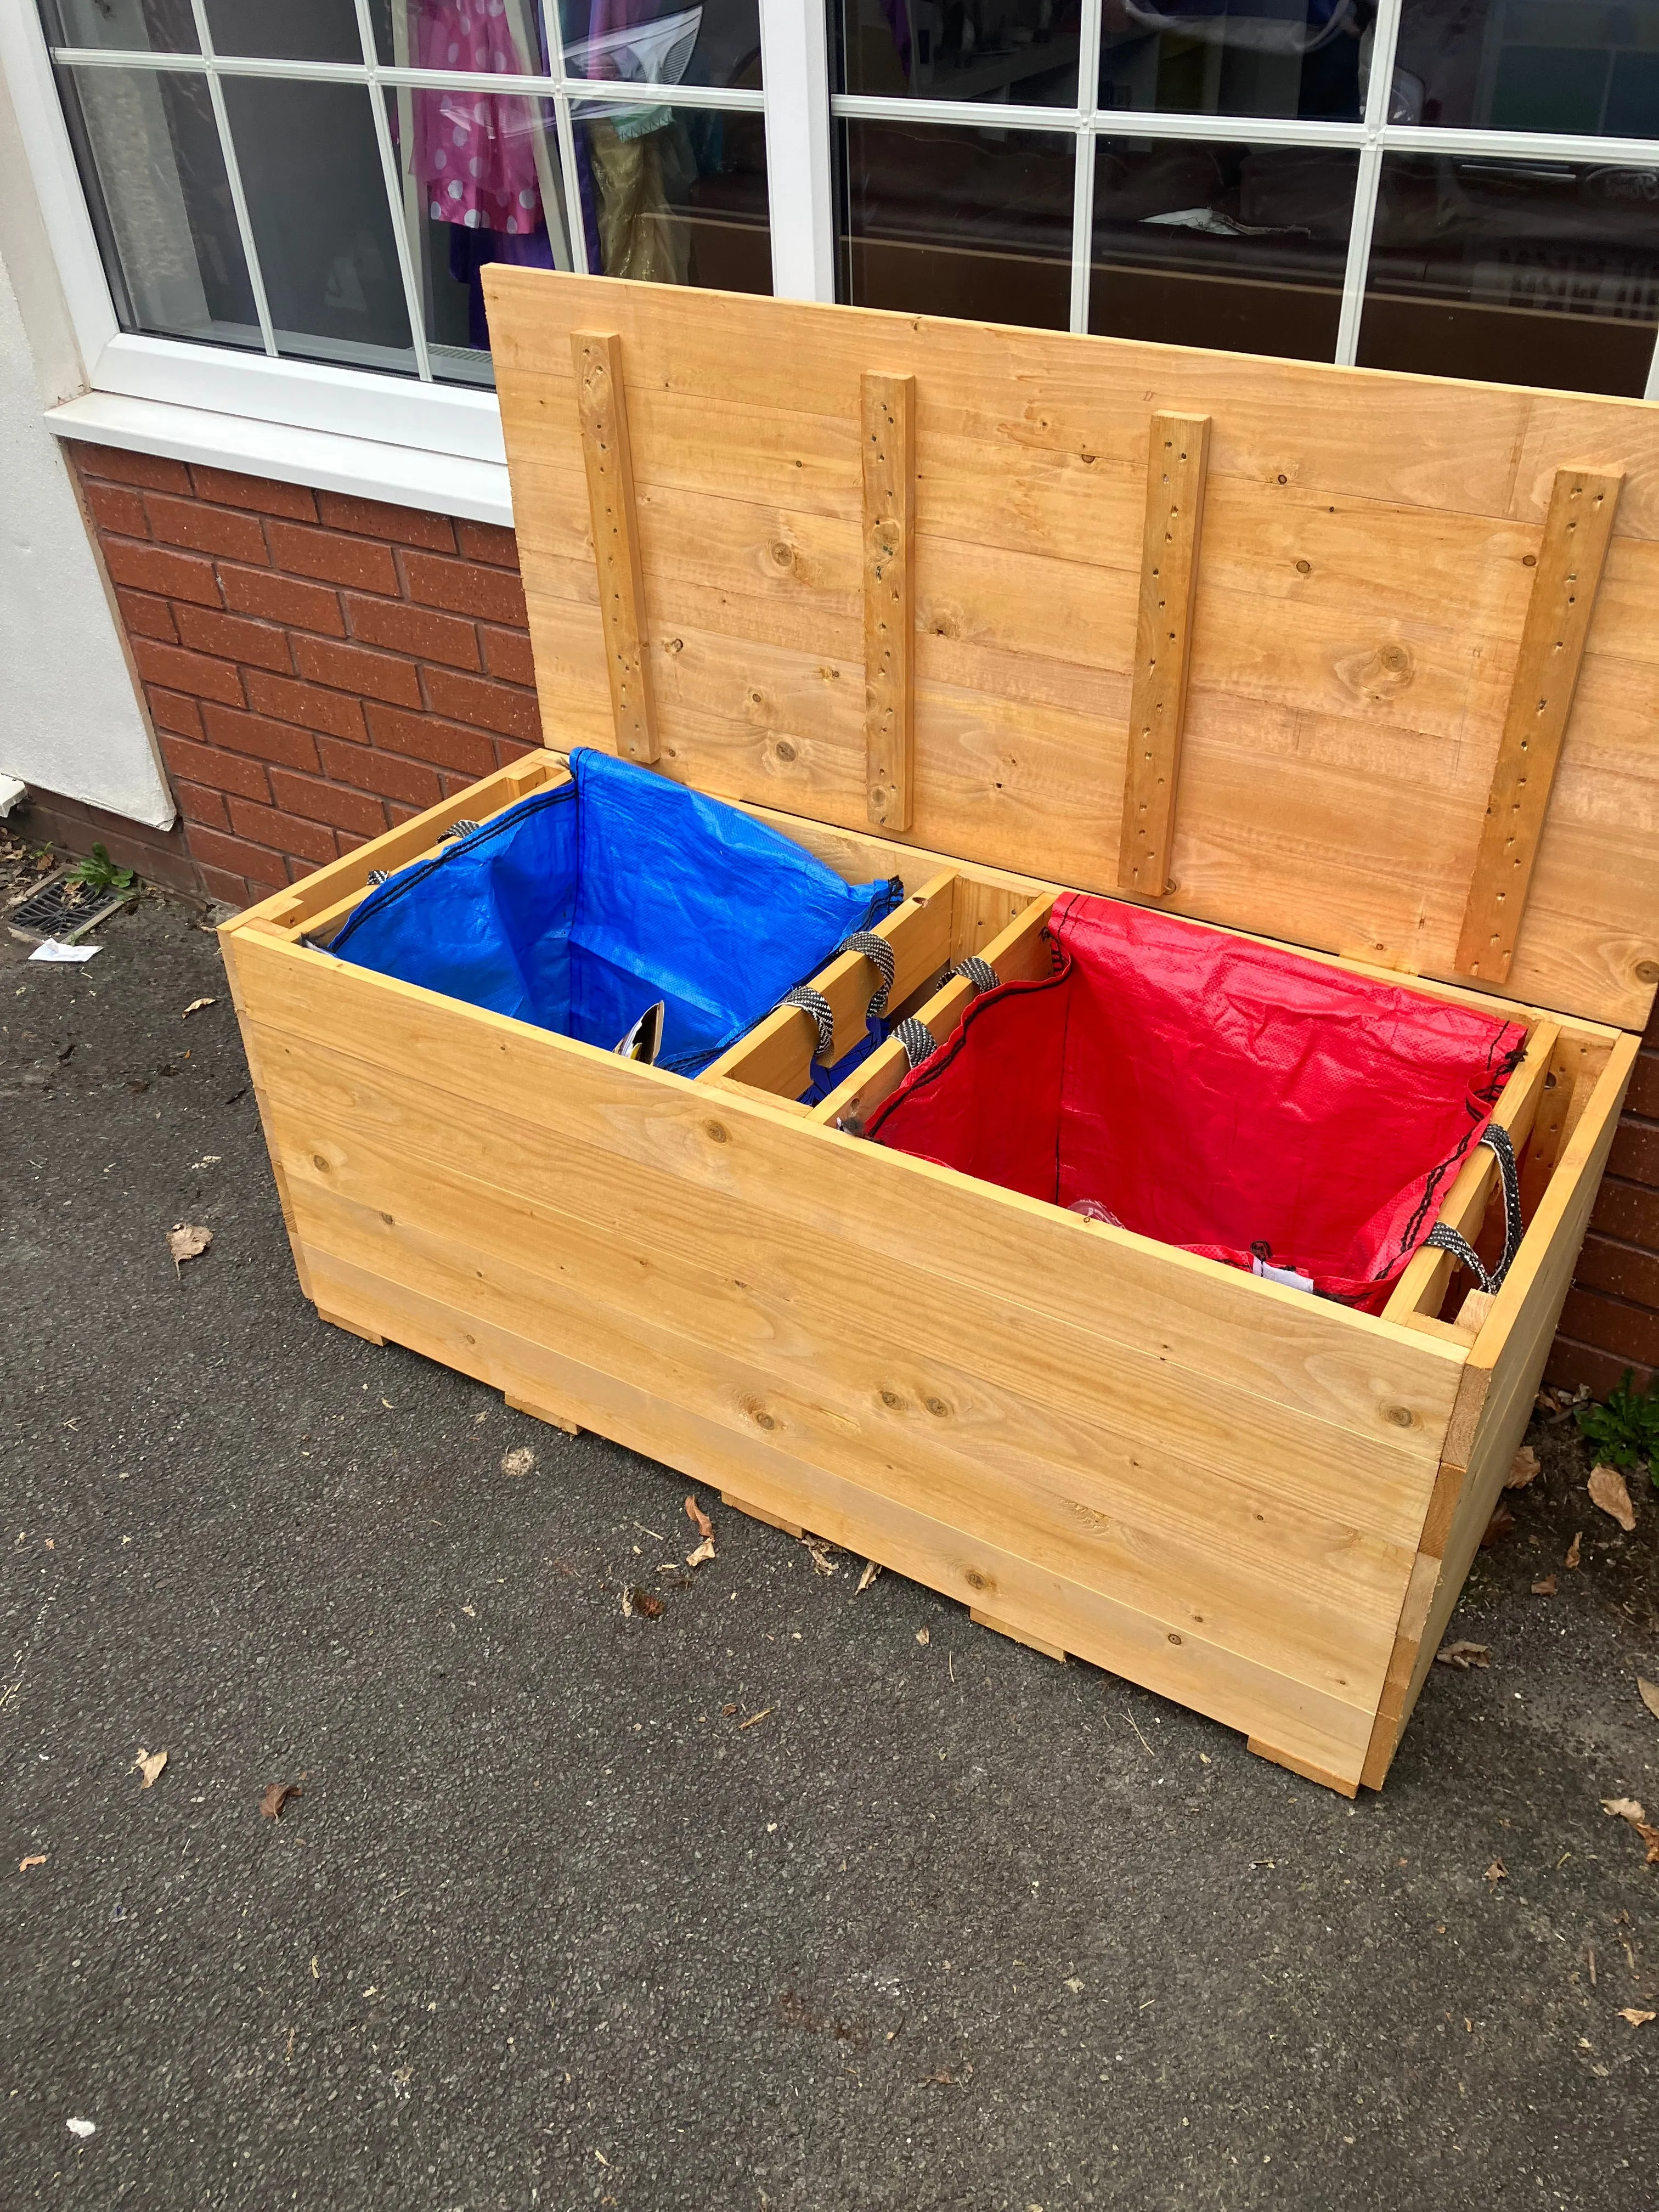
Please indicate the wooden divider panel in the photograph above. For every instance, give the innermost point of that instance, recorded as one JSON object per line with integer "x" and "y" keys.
{"x": 1370, "y": 544}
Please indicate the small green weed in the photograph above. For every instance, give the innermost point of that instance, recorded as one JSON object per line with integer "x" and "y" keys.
{"x": 99, "y": 873}
{"x": 1624, "y": 1432}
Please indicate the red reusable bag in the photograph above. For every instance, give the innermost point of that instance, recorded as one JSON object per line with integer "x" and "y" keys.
{"x": 1229, "y": 1097}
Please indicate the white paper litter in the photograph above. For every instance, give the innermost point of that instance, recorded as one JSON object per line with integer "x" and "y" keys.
{"x": 50, "y": 949}
{"x": 82, "y": 2127}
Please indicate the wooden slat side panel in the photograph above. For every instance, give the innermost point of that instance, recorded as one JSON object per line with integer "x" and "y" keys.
{"x": 1578, "y": 532}
{"x": 1358, "y": 629}
{"x": 927, "y": 1549}
{"x": 889, "y": 423}
{"x": 1179, "y": 451}
{"x": 602, "y": 412}
{"x": 1505, "y": 1366}
{"x": 1238, "y": 1337}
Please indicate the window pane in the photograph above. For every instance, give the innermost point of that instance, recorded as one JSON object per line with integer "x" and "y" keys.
{"x": 1534, "y": 272}
{"x": 1575, "y": 65}
{"x": 1238, "y": 246}
{"x": 657, "y": 42}
{"x": 947, "y": 220}
{"x": 286, "y": 30}
{"x": 1235, "y": 57}
{"x": 139, "y": 27}
{"x": 316, "y": 195}
{"x": 935, "y": 50}
{"x": 149, "y": 158}
{"x": 504, "y": 40}
{"x": 676, "y": 196}
{"x": 480, "y": 176}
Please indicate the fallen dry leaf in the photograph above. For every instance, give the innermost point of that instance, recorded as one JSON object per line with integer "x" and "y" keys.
{"x": 824, "y": 1561}
{"x": 643, "y": 1602}
{"x": 1548, "y": 1587}
{"x": 704, "y": 1552}
{"x": 196, "y": 1007}
{"x": 1497, "y": 1871}
{"x": 187, "y": 1241}
{"x": 520, "y": 1461}
{"x": 755, "y": 1719}
{"x": 1625, "y": 1808}
{"x": 1498, "y": 1528}
{"x": 1650, "y": 1837}
{"x": 1648, "y": 1693}
{"x": 35, "y": 1858}
{"x": 276, "y": 1796}
{"x": 1608, "y": 1490}
{"x": 1463, "y": 1656}
{"x": 1523, "y": 1468}
{"x": 699, "y": 1520}
{"x": 870, "y": 1571}
{"x": 1636, "y": 2018}
{"x": 729, "y": 1712}
{"x": 149, "y": 1764}
{"x": 1572, "y": 1560}
{"x": 922, "y": 1636}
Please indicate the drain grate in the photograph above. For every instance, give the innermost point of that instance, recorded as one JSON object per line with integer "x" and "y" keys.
{"x": 60, "y": 908}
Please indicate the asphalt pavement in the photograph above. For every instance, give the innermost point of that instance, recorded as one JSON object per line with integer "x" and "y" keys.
{"x": 764, "y": 1903}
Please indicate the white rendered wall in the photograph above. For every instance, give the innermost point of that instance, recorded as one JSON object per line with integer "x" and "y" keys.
{"x": 71, "y": 720}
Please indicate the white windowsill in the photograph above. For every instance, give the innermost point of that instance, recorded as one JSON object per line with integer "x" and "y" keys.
{"x": 332, "y": 460}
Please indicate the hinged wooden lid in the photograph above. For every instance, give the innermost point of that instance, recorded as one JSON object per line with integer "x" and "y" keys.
{"x": 1364, "y": 662}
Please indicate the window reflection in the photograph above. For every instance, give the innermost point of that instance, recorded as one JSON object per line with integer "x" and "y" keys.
{"x": 1306, "y": 57}
{"x": 1588, "y": 66}
{"x": 663, "y": 41}
{"x": 1023, "y": 51}
{"x": 943, "y": 220}
{"x": 1515, "y": 272}
{"x": 675, "y": 196}
{"x": 1239, "y": 246}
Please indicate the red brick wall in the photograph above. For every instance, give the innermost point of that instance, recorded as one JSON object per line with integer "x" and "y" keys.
{"x": 317, "y": 667}
{"x": 1611, "y": 1319}
{"x": 320, "y": 667}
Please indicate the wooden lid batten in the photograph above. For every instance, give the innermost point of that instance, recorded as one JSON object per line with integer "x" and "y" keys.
{"x": 1312, "y": 653}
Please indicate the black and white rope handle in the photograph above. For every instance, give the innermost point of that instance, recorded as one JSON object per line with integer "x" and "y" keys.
{"x": 1445, "y": 1238}
{"x": 879, "y": 953}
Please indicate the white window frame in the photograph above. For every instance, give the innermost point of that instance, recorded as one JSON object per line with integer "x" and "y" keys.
{"x": 419, "y": 442}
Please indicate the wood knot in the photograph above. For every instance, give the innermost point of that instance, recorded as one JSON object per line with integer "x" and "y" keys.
{"x": 1401, "y": 1416}
{"x": 714, "y": 1132}
{"x": 892, "y": 1401}
{"x": 1174, "y": 1638}
{"x": 1379, "y": 673}
{"x": 786, "y": 751}
{"x": 937, "y": 1407}
{"x": 1647, "y": 971}
{"x": 320, "y": 1163}
{"x": 977, "y": 1580}
{"x": 1304, "y": 568}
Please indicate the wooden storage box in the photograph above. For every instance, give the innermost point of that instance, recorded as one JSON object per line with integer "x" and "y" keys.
{"x": 1362, "y": 664}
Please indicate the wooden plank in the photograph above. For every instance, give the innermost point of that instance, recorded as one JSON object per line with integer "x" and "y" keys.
{"x": 1021, "y": 953}
{"x": 1422, "y": 1287}
{"x": 1177, "y": 454}
{"x": 1506, "y": 1366}
{"x": 755, "y": 1513}
{"x": 602, "y": 410}
{"x": 1577, "y": 533}
{"x": 887, "y": 416}
{"x": 777, "y": 1053}
{"x": 1364, "y": 594}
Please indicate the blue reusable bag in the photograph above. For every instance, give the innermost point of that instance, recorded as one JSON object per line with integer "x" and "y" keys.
{"x": 581, "y": 907}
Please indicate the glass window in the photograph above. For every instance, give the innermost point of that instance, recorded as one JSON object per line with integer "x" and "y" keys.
{"x": 1590, "y": 67}
{"x": 149, "y": 158}
{"x": 295, "y": 30}
{"x": 1208, "y": 245}
{"x": 1515, "y": 272}
{"x": 675, "y": 196}
{"x": 479, "y": 174}
{"x": 468, "y": 35}
{"x": 657, "y": 42}
{"x": 948, "y": 220}
{"x": 132, "y": 27}
{"x": 1302, "y": 58}
{"x": 316, "y": 195}
{"x": 1023, "y": 51}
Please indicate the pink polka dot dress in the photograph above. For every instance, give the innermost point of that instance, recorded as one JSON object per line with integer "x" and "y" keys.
{"x": 473, "y": 150}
